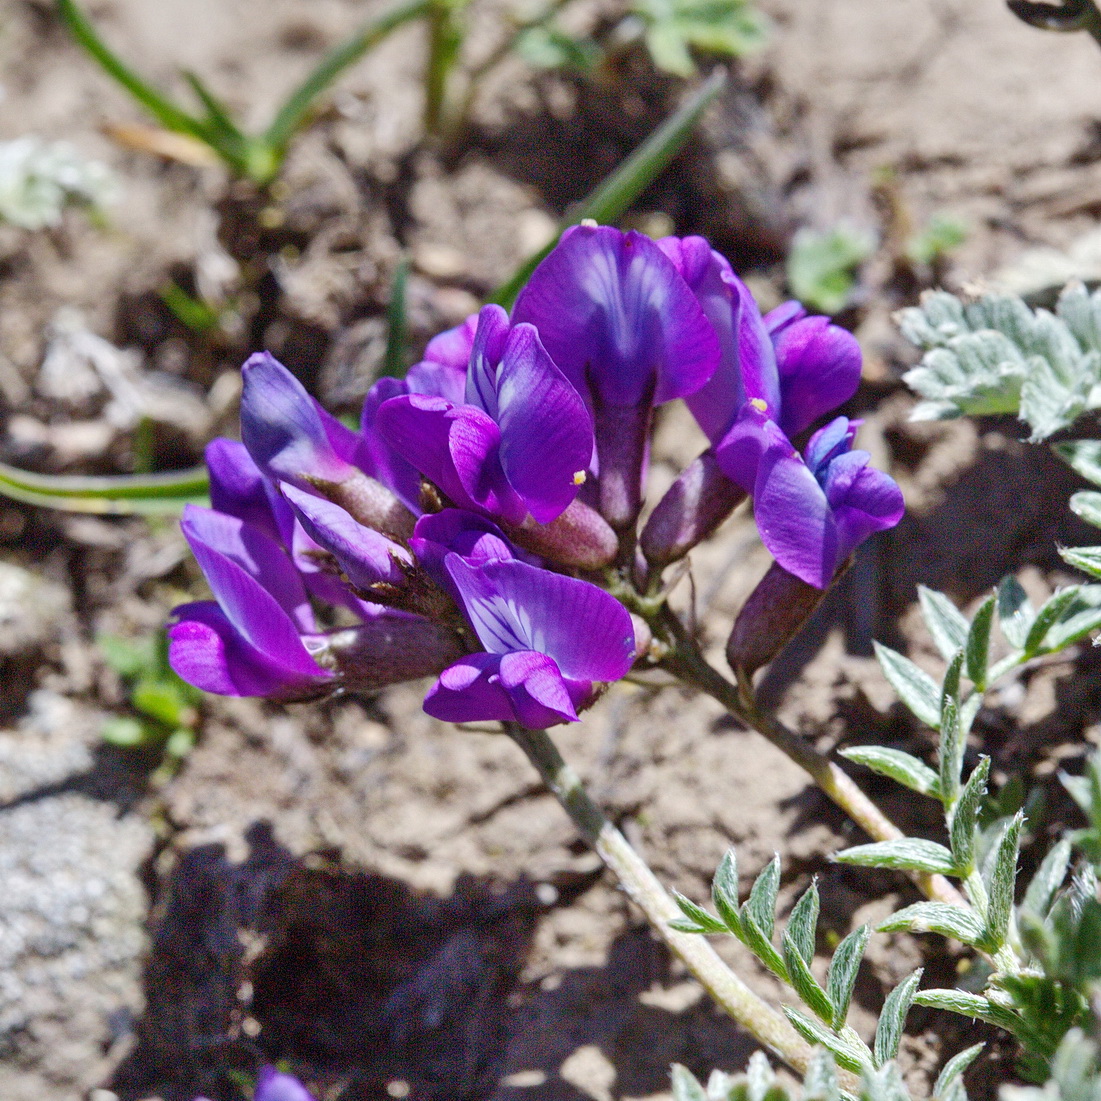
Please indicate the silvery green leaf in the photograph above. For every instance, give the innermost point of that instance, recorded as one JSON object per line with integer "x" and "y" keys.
{"x": 965, "y": 817}
{"x": 804, "y": 983}
{"x": 754, "y": 938}
{"x": 946, "y": 623}
{"x": 951, "y": 752}
{"x": 841, "y": 977}
{"x": 896, "y": 765}
{"x": 1003, "y": 878}
{"x": 950, "y": 686}
{"x": 975, "y": 374}
{"x": 911, "y": 854}
{"x": 888, "y": 1033}
{"x": 761, "y": 904}
{"x": 1081, "y": 313}
{"x": 698, "y": 920}
{"x": 1084, "y": 456}
{"x": 803, "y": 922}
{"x": 1086, "y": 559}
{"x": 760, "y": 1078}
{"x": 1086, "y": 504}
{"x": 850, "y": 1051}
{"x": 724, "y": 891}
{"x": 974, "y": 1006}
{"x": 1047, "y": 880}
{"x": 935, "y": 322}
{"x": 917, "y": 690}
{"x": 977, "y": 646}
{"x": 685, "y": 1086}
{"x": 936, "y": 917}
{"x": 1049, "y": 614}
{"x": 954, "y": 1068}
{"x": 883, "y": 1084}
{"x": 1015, "y": 613}
{"x": 820, "y": 1083}
{"x": 1078, "y": 620}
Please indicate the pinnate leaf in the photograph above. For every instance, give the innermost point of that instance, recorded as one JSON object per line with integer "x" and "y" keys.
{"x": 917, "y": 690}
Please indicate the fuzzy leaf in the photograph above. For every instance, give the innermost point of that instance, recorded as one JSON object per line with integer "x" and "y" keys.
{"x": 951, "y": 753}
{"x": 1086, "y": 504}
{"x": 1047, "y": 880}
{"x": 754, "y": 938}
{"x": 1015, "y": 613}
{"x": 977, "y": 647}
{"x": 1086, "y": 559}
{"x": 965, "y": 817}
{"x": 1084, "y": 456}
{"x": 1048, "y": 615}
{"x": 888, "y": 1033}
{"x": 849, "y": 1050}
{"x": 969, "y": 1005}
{"x": 820, "y": 1083}
{"x": 917, "y": 690}
{"x": 805, "y": 984}
{"x": 685, "y": 1086}
{"x": 935, "y": 917}
{"x": 698, "y": 919}
{"x": 896, "y": 765}
{"x": 911, "y": 854}
{"x": 946, "y": 623}
{"x": 954, "y": 1068}
{"x": 1003, "y": 878}
{"x": 841, "y": 977}
{"x": 803, "y": 922}
{"x": 724, "y": 892}
{"x": 1081, "y": 617}
{"x": 761, "y": 904}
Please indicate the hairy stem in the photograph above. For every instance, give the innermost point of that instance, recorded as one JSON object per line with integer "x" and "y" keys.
{"x": 687, "y": 662}
{"x": 760, "y": 1019}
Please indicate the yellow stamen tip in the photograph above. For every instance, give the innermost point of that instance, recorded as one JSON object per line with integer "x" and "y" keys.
{"x": 579, "y": 478}
{"x": 759, "y": 404}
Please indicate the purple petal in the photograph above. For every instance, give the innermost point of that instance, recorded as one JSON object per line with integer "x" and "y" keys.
{"x": 273, "y": 1086}
{"x": 874, "y": 503}
{"x": 285, "y": 430}
{"x": 750, "y": 438}
{"x": 206, "y": 651}
{"x": 237, "y": 487}
{"x": 780, "y": 318}
{"x": 795, "y": 520}
{"x": 819, "y": 370}
{"x": 546, "y": 431}
{"x": 470, "y": 691}
{"x": 617, "y": 318}
{"x": 438, "y": 380}
{"x": 366, "y": 556}
{"x": 470, "y": 536}
{"x": 377, "y": 457}
{"x": 513, "y": 606}
{"x": 537, "y": 690}
{"x": 215, "y": 538}
{"x": 829, "y": 442}
{"x": 453, "y": 347}
{"x": 747, "y": 369}
{"x": 489, "y": 348}
{"x": 475, "y": 444}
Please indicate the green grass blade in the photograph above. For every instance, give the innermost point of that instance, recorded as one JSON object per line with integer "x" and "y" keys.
{"x": 158, "y": 105}
{"x": 346, "y": 53}
{"x": 612, "y": 197}
{"x": 126, "y": 494}
{"x": 395, "y": 363}
{"x": 217, "y": 112}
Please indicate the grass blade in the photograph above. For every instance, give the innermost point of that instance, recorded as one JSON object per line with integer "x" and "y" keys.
{"x": 122, "y": 495}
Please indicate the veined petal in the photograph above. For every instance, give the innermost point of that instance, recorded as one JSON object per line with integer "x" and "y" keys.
{"x": 418, "y": 428}
{"x": 287, "y": 433}
{"x": 475, "y": 444}
{"x": 513, "y": 606}
{"x": 215, "y": 538}
{"x": 365, "y": 555}
{"x": 546, "y": 430}
{"x": 536, "y": 689}
{"x": 438, "y": 379}
{"x": 470, "y": 690}
{"x": 819, "y": 367}
{"x": 207, "y": 652}
{"x": 795, "y": 520}
{"x": 485, "y": 358}
{"x": 617, "y": 318}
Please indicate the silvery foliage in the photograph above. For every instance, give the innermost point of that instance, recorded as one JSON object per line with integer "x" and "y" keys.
{"x": 38, "y": 179}
{"x": 994, "y": 354}
{"x": 759, "y": 1082}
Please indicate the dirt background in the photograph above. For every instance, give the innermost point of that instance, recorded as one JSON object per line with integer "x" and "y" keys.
{"x": 390, "y": 904}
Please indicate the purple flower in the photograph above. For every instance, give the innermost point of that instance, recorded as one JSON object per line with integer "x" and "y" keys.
{"x": 271, "y": 1085}
{"x": 521, "y": 441}
{"x": 811, "y": 512}
{"x": 550, "y": 640}
{"x": 619, "y": 320}
{"x": 252, "y": 641}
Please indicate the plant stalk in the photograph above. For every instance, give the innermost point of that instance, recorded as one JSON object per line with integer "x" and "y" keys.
{"x": 636, "y": 878}
{"x": 687, "y": 662}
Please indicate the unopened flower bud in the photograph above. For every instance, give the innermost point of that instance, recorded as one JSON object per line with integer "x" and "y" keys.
{"x": 370, "y": 503}
{"x": 580, "y": 538}
{"x": 692, "y": 508}
{"x": 772, "y": 616}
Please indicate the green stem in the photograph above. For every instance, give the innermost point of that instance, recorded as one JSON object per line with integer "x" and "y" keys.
{"x": 685, "y": 661}
{"x": 728, "y": 991}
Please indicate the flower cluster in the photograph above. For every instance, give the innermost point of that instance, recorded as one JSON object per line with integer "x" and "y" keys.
{"x": 464, "y": 529}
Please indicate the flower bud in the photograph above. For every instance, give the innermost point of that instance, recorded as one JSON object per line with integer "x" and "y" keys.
{"x": 370, "y": 503}
{"x": 692, "y": 508}
{"x": 579, "y": 537}
{"x": 772, "y": 616}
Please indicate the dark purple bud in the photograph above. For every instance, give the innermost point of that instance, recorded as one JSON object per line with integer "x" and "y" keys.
{"x": 699, "y": 500}
{"x": 580, "y": 538}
